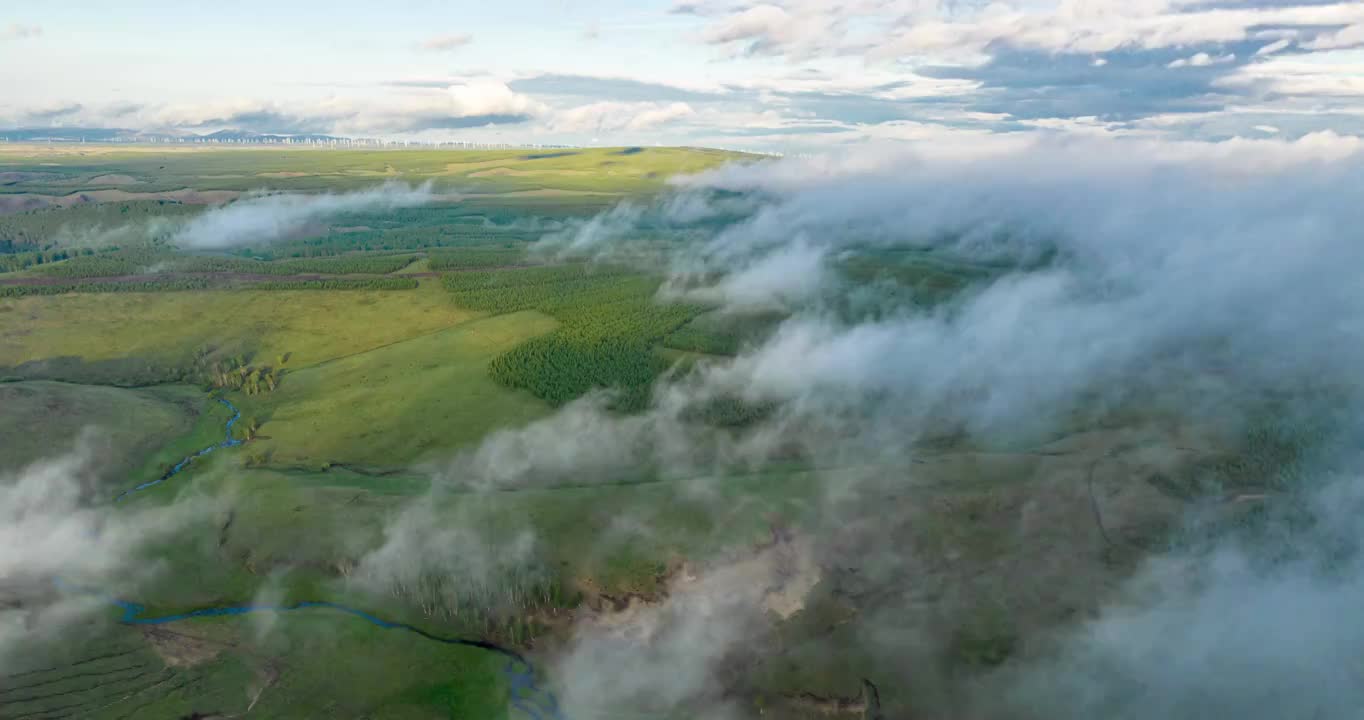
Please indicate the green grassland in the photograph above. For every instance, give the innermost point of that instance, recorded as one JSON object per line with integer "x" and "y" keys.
{"x": 553, "y": 174}
{"x": 46, "y": 419}
{"x": 395, "y": 404}
{"x": 217, "y": 667}
{"x": 165, "y": 329}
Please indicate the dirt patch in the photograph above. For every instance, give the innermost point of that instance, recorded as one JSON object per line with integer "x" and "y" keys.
{"x": 181, "y": 650}
{"x": 773, "y": 578}
{"x": 283, "y": 174}
{"x": 351, "y": 228}
{"x": 806, "y": 704}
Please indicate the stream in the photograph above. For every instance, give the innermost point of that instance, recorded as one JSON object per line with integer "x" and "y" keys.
{"x": 228, "y": 441}
{"x": 524, "y": 693}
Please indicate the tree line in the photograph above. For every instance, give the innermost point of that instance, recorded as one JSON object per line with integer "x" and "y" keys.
{"x": 134, "y": 261}
{"x": 474, "y": 258}
{"x": 609, "y": 328}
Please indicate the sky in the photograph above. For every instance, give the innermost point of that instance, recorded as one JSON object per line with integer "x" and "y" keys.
{"x": 780, "y": 75}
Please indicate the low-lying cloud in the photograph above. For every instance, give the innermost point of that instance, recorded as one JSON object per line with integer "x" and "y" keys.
{"x": 446, "y": 43}
{"x": 62, "y": 551}
{"x": 1184, "y": 283}
{"x": 271, "y": 217}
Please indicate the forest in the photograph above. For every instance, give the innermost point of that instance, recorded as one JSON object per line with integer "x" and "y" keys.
{"x": 610, "y": 328}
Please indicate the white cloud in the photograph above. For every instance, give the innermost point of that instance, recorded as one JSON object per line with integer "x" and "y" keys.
{"x": 1202, "y": 60}
{"x": 490, "y": 97}
{"x": 19, "y": 31}
{"x": 51, "y": 531}
{"x": 1352, "y": 36}
{"x": 1273, "y": 47}
{"x": 912, "y": 28}
{"x": 444, "y": 43}
{"x": 615, "y": 116}
{"x": 460, "y": 105}
{"x": 267, "y": 218}
{"x": 1319, "y": 76}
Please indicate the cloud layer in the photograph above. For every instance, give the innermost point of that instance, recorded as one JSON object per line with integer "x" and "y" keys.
{"x": 1186, "y": 283}
{"x": 802, "y": 75}
{"x": 267, "y": 218}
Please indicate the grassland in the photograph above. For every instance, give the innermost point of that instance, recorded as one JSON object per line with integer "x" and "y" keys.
{"x": 229, "y": 666}
{"x": 165, "y": 329}
{"x": 48, "y": 419}
{"x": 545, "y": 179}
{"x": 396, "y": 404}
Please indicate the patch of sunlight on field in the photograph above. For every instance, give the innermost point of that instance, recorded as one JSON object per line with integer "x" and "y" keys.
{"x": 399, "y": 403}
{"x": 311, "y": 325}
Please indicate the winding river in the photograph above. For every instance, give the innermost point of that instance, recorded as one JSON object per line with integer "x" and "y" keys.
{"x": 228, "y": 441}
{"x": 524, "y": 692}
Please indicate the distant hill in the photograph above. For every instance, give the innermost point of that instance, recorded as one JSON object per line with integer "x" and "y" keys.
{"x": 49, "y": 134}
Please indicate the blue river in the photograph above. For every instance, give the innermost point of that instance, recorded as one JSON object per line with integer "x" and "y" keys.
{"x": 524, "y": 692}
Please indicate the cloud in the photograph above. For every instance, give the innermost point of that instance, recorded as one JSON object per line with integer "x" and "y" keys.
{"x": 267, "y": 218}
{"x": 490, "y": 98}
{"x": 19, "y": 31}
{"x": 1274, "y": 47}
{"x": 1207, "y": 274}
{"x": 1317, "y": 79}
{"x": 1352, "y": 36}
{"x": 50, "y": 113}
{"x": 1201, "y": 60}
{"x": 1108, "y": 282}
{"x": 1061, "y": 61}
{"x": 471, "y": 104}
{"x": 672, "y": 653}
{"x": 450, "y": 564}
{"x": 54, "y": 526}
{"x": 446, "y": 43}
{"x": 1298, "y": 662}
{"x": 619, "y": 89}
{"x": 908, "y": 29}
{"x": 618, "y": 116}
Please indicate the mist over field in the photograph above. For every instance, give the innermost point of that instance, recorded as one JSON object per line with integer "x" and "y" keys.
{"x": 697, "y": 359}
{"x": 57, "y": 541}
{"x": 1072, "y": 416}
{"x": 264, "y": 218}
{"x": 1203, "y": 285}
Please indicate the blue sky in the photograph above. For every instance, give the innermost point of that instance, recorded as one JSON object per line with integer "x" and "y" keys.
{"x": 779, "y": 75}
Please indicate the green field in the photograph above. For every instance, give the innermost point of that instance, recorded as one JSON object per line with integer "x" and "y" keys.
{"x": 165, "y": 329}
{"x": 398, "y": 403}
{"x": 47, "y": 419}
